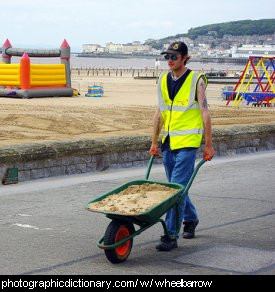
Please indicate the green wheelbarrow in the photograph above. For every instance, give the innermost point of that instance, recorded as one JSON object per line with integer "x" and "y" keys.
{"x": 117, "y": 241}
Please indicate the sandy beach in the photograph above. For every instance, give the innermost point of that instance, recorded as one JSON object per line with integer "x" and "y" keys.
{"x": 126, "y": 108}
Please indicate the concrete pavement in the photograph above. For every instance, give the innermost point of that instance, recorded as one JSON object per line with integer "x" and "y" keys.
{"x": 46, "y": 230}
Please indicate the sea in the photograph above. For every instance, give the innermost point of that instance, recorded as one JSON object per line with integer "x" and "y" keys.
{"x": 130, "y": 63}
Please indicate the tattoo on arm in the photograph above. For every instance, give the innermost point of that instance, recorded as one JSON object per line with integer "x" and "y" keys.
{"x": 201, "y": 93}
{"x": 204, "y": 103}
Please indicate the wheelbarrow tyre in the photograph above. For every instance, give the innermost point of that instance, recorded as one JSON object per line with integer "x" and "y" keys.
{"x": 116, "y": 231}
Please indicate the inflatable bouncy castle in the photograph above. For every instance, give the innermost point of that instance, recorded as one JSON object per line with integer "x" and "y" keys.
{"x": 26, "y": 80}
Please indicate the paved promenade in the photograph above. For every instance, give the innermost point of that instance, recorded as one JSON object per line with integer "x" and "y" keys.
{"x": 46, "y": 230}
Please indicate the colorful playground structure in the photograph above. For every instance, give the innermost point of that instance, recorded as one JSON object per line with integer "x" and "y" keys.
{"x": 259, "y": 93}
{"x": 28, "y": 80}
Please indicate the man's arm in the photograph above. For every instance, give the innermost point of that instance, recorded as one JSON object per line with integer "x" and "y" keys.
{"x": 203, "y": 105}
{"x": 157, "y": 126}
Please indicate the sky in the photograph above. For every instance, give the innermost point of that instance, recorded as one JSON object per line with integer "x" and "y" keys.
{"x": 45, "y": 23}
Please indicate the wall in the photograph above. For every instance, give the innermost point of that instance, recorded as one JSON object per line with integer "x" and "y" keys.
{"x": 70, "y": 157}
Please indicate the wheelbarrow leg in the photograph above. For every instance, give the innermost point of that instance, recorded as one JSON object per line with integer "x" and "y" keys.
{"x": 165, "y": 229}
{"x": 166, "y": 232}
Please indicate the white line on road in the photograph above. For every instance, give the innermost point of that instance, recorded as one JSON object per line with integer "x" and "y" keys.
{"x": 24, "y": 215}
{"x": 25, "y": 226}
{"x": 30, "y": 226}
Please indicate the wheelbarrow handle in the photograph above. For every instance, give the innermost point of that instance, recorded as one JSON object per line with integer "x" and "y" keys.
{"x": 149, "y": 166}
{"x": 206, "y": 158}
{"x": 187, "y": 187}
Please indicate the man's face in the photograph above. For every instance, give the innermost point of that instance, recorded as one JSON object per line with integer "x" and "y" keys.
{"x": 175, "y": 61}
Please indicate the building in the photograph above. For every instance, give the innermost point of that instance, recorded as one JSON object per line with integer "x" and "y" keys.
{"x": 132, "y": 48}
{"x": 114, "y": 48}
{"x": 92, "y": 48}
{"x": 252, "y": 50}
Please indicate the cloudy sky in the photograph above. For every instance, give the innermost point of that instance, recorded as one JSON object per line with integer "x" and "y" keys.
{"x": 48, "y": 22}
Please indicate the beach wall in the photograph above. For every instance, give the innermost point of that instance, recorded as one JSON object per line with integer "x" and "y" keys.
{"x": 36, "y": 161}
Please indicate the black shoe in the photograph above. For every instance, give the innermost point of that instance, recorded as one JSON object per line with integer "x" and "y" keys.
{"x": 189, "y": 229}
{"x": 166, "y": 244}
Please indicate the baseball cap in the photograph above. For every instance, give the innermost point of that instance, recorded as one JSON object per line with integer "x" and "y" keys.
{"x": 175, "y": 48}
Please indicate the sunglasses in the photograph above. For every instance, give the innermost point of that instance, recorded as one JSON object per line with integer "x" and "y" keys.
{"x": 172, "y": 57}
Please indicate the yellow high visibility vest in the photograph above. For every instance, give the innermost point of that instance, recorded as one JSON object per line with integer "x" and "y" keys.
{"x": 182, "y": 116}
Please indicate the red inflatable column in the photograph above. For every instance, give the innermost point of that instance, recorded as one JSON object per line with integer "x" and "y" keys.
{"x": 25, "y": 72}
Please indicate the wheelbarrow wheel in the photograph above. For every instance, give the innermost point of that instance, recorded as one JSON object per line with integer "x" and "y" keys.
{"x": 116, "y": 231}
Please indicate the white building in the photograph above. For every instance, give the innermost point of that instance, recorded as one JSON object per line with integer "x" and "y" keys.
{"x": 134, "y": 47}
{"x": 92, "y": 48}
{"x": 114, "y": 48}
{"x": 253, "y": 50}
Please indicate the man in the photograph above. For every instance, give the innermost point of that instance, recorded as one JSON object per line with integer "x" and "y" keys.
{"x": 183, "y": 112}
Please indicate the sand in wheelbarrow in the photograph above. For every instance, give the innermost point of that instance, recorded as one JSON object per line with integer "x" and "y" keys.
{"x": 135, "y": 199}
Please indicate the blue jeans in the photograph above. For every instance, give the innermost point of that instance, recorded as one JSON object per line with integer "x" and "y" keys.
{"x": 179, "y": 166}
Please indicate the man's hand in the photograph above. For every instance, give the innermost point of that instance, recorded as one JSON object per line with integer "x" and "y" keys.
{"x": 208, "y": 153}
{"x": 154, "y": 149}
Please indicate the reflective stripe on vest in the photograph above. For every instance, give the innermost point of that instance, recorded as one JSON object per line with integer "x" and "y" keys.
{"x": 180, "y": 133}
{"x": 183, "y": 123}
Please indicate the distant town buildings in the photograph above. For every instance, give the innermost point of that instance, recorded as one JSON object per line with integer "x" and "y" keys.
{"x": 92, "y": 48}
{"x": 202, "y": 47}
{"x": 127, "y": 49}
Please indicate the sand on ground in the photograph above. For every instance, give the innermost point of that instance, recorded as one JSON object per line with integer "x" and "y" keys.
{"x": 127, "y": 108}
{"x": 134, "y": 200}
